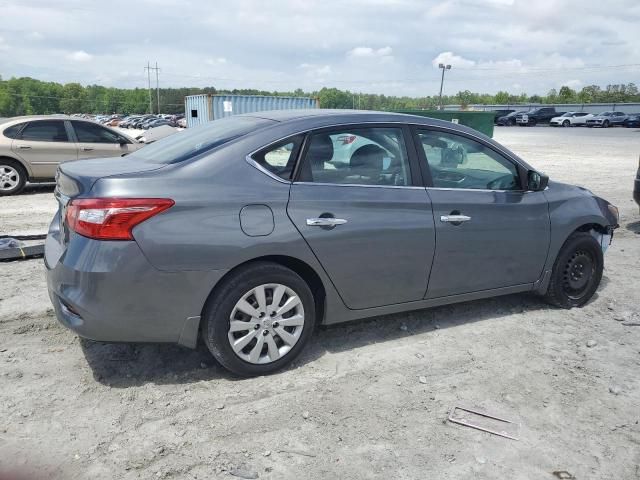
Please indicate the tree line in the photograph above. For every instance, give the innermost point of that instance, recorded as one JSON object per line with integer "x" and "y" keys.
{"x": 28, "y": 96}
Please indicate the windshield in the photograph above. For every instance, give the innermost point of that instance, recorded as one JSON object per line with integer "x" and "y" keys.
{"x": 194, "y": 141}
{"x": 605, "y": 114}
{"x": 568, "y": 114}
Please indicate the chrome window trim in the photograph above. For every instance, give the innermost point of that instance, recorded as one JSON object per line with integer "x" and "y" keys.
{"x": 253, "y": 163}
{"x": 412, "y": 187}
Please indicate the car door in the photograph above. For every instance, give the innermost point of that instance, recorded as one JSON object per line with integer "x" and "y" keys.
{"x": 490, "y": 232}
{"x": 366, "y": 221}
{"x": 44, "y": 144}
{"x": 96, "y": 141}
{"x": 618, "y": 117}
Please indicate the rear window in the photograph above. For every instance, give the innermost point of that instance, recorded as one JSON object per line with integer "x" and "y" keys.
{"x": 197, "y": 140}
{"x": 13, "y": 131}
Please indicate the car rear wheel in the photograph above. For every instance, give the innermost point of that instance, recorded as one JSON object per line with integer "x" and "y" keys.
{"x": 13, "y": 177}
{"x": 577, "y": 272}
{"x": 259, "y": 320}
{"x": 566, "y": 123}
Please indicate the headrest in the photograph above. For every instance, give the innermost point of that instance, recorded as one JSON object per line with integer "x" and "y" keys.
{"x": 370, "y": 157}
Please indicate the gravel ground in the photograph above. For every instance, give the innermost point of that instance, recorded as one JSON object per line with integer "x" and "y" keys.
{"x": 368, "y": 399}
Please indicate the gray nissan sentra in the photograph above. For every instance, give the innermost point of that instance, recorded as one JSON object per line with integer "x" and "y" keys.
{"x": 250, "y": 230}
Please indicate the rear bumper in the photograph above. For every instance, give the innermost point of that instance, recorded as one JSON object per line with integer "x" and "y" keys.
{"x": 108, "y": 291}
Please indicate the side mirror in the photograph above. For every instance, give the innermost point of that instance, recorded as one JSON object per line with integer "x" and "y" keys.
{"x": 537, "y": 181}
{"x": 123, "y": 141}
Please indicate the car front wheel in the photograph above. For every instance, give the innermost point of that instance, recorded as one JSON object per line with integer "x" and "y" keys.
{"x": 566, "y": 123}
{"x": 577, "y": 271}
{"x": 259, "y": 319}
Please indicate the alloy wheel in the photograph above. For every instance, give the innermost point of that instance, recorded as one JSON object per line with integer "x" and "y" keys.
{"x": 266, "y": 323}
{"x": 9, "y": 178}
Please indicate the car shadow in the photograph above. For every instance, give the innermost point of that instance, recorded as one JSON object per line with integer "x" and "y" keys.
{"x": 633, "y": 227}
{"x": 124, "y": 365}
{"x": 33, "y": 188}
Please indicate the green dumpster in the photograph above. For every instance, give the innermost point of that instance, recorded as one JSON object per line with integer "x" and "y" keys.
{"x": 481, "y": 121}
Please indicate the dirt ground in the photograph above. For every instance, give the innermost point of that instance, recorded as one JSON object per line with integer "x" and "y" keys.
{"x": 367, "y": 400}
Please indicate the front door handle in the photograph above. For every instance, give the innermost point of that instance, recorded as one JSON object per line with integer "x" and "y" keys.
{"x": 87, "y": 149}
{"x": 24, "y": 147}
{"x": 454, "y": 218}
{"x": 325, "y": 222}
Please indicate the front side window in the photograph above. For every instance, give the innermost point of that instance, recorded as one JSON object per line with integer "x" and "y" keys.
{"x": 358, "y": 156}
{"x": 280, "y": 158}
{"x": 92, "y": 133}
{"x": 45, "y": 131}
{"x": 459, "y": 162}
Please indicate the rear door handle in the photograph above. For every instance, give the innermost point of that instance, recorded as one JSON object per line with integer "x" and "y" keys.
{"x": 87, "y": 149}
{"x": 454, "y": 218}
{"x": 325, "y": 222}
{"x": 24, "y": 147}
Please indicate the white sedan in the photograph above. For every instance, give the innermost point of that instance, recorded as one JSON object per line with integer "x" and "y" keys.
{"x": 570, "y": 119}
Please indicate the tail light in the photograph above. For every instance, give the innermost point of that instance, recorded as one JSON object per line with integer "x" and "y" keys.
{"x": 112, "y": 218}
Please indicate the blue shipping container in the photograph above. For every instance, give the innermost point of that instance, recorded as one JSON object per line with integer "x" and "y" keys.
{"x": 201, "y": 109}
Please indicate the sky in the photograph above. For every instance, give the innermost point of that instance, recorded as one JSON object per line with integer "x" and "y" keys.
{"x": 391, "y": 47}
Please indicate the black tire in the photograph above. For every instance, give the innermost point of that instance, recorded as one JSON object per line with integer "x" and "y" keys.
{"x": 566, "y": 123}
{"x": 219, "y": 307}
{"x": 605, "y": 124}
{"x": 577, "y": 271}
{"x": 532, "y": 123}
{"x": 20, "y": 171}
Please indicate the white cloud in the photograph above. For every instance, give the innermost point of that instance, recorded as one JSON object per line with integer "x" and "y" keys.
{"x": 316, "y": 70}
{"x": 449, "y": 58}
{"x": 216, "y": 61}
{"x": 3, "y": 45}
{"x": 368, "y": 52}
{"x": 79, "y": 56}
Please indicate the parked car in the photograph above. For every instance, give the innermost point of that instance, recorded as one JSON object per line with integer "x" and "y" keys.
{"x": 537, "y": 115}
{"x": 510, "y": 119}
{"x": 636, "y": 186}
{"x": 607, "y": 119}
{"x": 632, "y": 121}
{"x": 499, "y": 114}
{"x": 570, "y": 119}
{"x": 218, "y": 232}
{"x": 158, "y": 122}
{"x": 31, "y": 148}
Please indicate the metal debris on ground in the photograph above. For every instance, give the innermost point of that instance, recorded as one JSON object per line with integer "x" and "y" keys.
{"x": 467, "y": 423}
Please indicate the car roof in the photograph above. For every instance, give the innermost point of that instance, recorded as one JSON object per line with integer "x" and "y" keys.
{"x": 319, "y": 117}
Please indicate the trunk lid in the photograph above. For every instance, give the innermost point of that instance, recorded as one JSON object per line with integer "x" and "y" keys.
{"x": 77, "y": 177}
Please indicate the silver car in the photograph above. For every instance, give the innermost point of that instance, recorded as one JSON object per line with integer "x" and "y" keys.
{"x": 31, "y": 148}
{"x": 247, "y": 233}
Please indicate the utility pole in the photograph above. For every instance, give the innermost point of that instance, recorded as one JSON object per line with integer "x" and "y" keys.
{"x": 158, "y": 87}
{"x": 443, "y": 67}
{"x": 148, "y": 68}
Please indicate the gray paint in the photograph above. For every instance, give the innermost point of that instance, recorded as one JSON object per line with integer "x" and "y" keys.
{"x": 256, "y": 220}
{"x": 154, "y": 289}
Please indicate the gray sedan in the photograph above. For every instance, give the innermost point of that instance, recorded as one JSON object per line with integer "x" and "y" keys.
{"x": 248, "y": 231}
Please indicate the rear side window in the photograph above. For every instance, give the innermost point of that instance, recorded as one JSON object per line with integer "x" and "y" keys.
{"x": 45, "y": 131}
{"x": 92, "y": 133}
{"x": 13, "y": 131}
{"x": 198, "y": 140}
{"x": 280, "y": 158}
